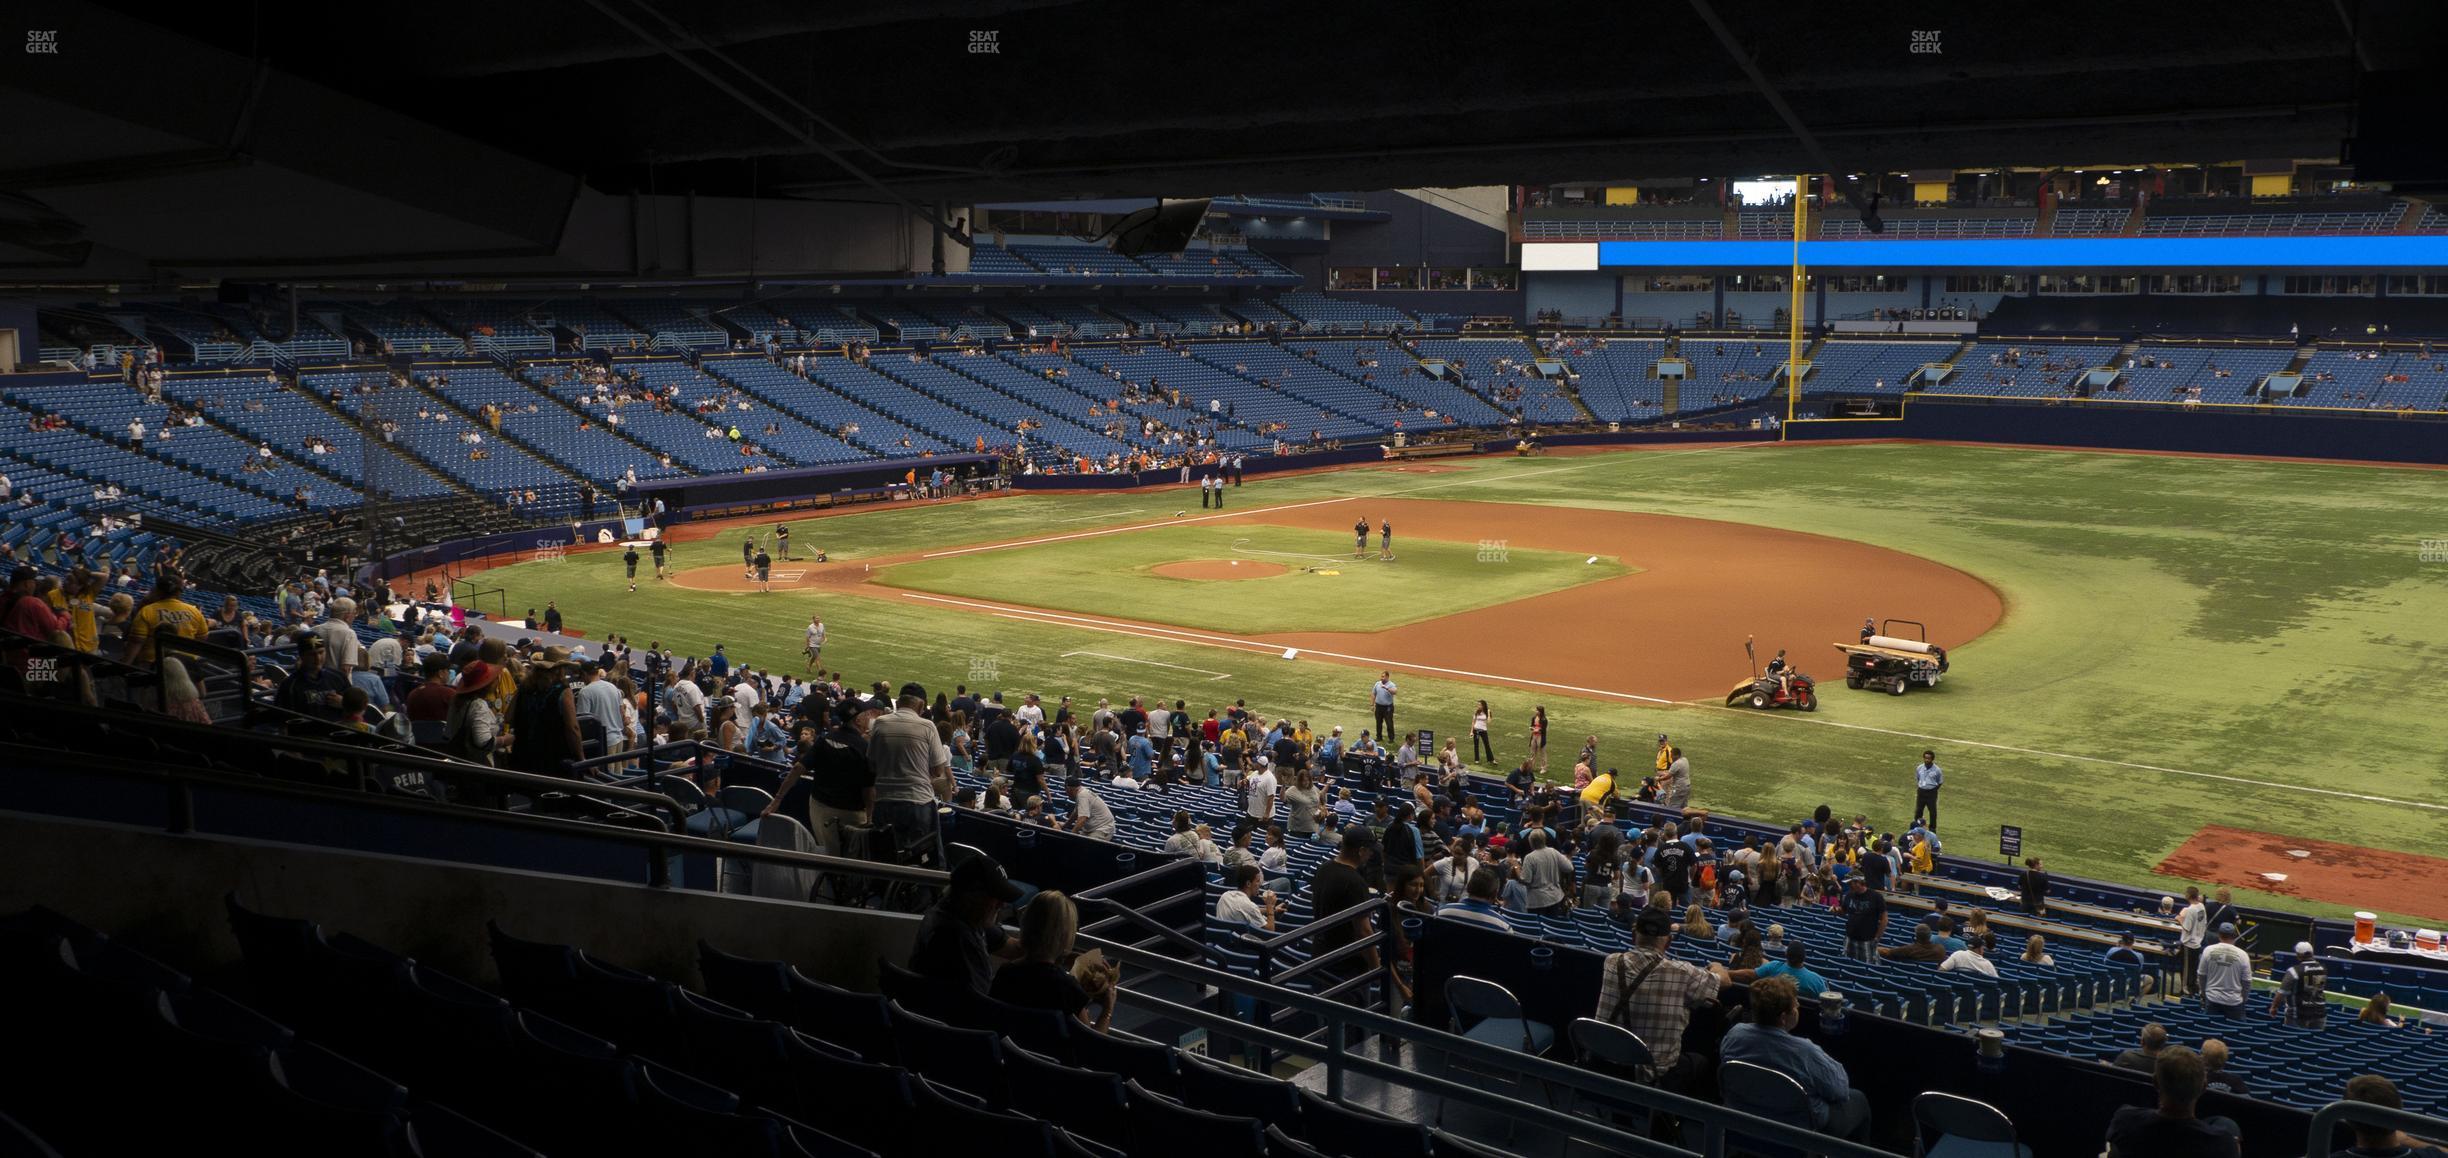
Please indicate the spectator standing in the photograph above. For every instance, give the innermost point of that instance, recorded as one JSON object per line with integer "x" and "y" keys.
{"x": 2035, "y": 887}
{"x": 2302, "y": 993}
{"x": 1548, "y": 875}
{"x": 1675, "y": 790}
{"x": 2193, "y": 928}
{"x": 1865, "y": 916}
{"x": 1768, "y": 1039}
{"x": 1261, "y": 792}
{"x": 2225, "y": 973}
{"x": 913, "y": 773}
{"x": 599, "y": 700}
{"x": 1336, "y": 886}
{"x": 165, "y": 613}
{"x": 841, "y": 780}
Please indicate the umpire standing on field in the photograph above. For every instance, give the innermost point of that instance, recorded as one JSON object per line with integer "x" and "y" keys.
{"x": 1926, "y": 779}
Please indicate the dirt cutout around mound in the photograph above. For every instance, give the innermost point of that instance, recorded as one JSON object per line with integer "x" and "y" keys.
{"x": 1675, "y": 628}
{"x": 792, "y": 576}
{"x": 1218, "y": 569}
{"x": 2371, "y": 879}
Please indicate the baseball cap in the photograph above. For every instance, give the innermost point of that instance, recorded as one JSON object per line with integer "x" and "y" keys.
{"x": 2303, "y": 948}
{"x": 980, "y": 874}
{"x": 852, "y": 707}
{"x": 1359, "y": 836}
{"x": 913, "y": 690}
{"x": 1653, "y": 923}
{"x": 2226, "y": 928}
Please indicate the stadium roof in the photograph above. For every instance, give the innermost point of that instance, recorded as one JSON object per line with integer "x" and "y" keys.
{"x": 565, "y": 137}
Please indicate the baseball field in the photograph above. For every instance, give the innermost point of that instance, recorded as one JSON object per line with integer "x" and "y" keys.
{"x": 2167, "y": 670}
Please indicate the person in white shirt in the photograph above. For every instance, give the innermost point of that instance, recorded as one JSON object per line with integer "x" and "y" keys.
{"x": 1259, "y": 792}
{"x": 2225, "y": 974}
{"x": 1480, "y": 906}
{"x": 1190, "y": 838}
{"x": 2193, "y": 929}
{"x": 1972, "y": 958}
{"x": 383, "y": 656}
{"x": 1090, "y": 816}
{"x": 1276, "y": 861}
{"x": 744, "y": 699}
{"x": 687, "y": 700}
{"x": 1245, "y": 903}
{"x": 1031, "y": 712}
{"x": 815, "y": 640}
{"x": 1449, "y": 878}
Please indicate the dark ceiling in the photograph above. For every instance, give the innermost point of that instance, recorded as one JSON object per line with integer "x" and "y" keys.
{"x": 456, "y": 130}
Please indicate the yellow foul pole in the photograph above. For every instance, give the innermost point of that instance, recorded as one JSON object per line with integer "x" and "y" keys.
{"x": 1793, "y": 309}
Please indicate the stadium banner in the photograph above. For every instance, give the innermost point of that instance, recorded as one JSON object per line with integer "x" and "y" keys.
{"x": 2394, "y": 251}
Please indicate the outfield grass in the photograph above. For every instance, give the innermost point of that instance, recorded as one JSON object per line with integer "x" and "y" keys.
{"x": 1114, "y": 575}
{"x": 2186, "y": 641}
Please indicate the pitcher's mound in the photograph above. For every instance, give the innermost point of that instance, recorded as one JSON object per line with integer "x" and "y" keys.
{"x": 1219, "y": 569}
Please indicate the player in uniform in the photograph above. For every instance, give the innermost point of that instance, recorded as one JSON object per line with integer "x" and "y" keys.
{"x": 815, "y": 640}
{"x": 657, "y": 548}
{"x": 764, "y": 570}
{"x": 1360, "y": 537}
{"x": 629, "y": 560}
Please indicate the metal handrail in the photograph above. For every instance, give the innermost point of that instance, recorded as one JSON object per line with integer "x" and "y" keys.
{"x": 657, "y": 842}
{"x": 1716, "y": 1121}
{"x": 2327, "y": 1119}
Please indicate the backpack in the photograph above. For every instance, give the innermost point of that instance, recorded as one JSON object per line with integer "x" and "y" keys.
{"x": 459, "y": 738}
{"x": 537, "y": 726}
{"x": 2306, "y": 985}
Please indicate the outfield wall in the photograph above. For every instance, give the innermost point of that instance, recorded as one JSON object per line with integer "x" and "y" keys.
{"x": 2114, "y": 426}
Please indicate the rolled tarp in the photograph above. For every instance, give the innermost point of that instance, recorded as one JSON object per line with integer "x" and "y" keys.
{"x": 1893, "y": 644}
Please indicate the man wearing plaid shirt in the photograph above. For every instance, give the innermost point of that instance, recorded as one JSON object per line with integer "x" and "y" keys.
{"x": 1663, "y": 994}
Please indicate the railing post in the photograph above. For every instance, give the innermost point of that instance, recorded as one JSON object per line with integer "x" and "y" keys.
{"x": 658, "y": 868}
{"x": 1334, "y": 1057}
